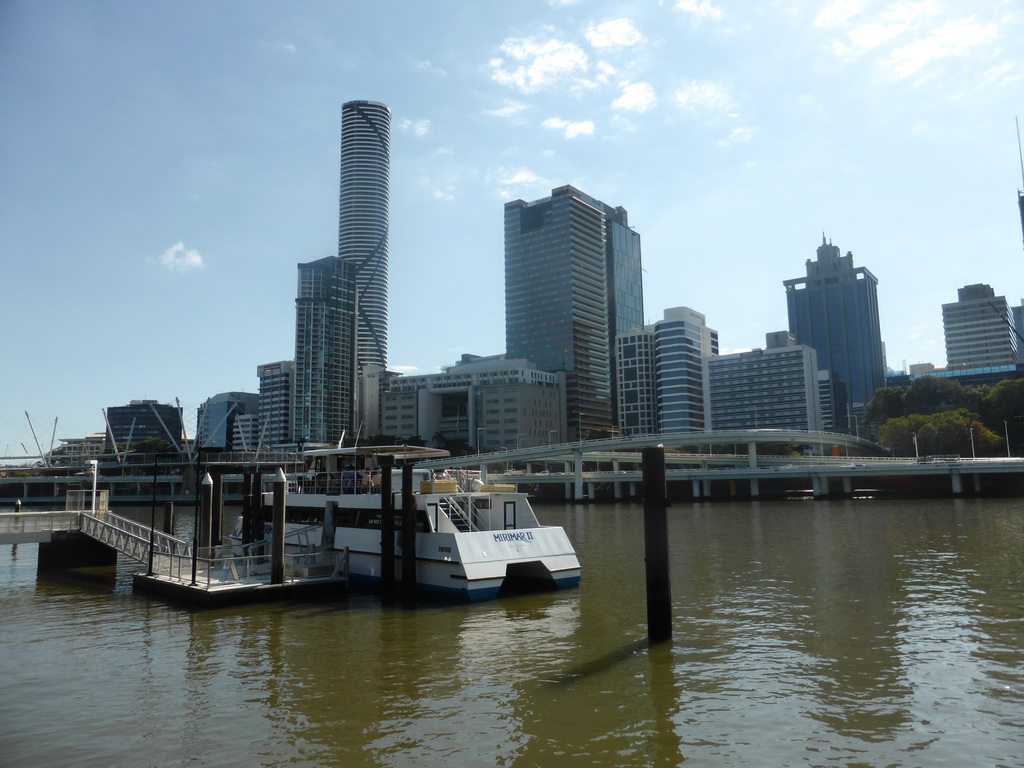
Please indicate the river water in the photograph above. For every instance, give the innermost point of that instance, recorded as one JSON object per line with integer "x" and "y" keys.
{"x": 817, "y": 633}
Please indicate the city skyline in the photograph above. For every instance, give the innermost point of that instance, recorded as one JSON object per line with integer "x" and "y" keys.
{"x": 165, "y": 168}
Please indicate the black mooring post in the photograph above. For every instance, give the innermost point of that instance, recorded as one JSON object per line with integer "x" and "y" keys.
{"x": 168, "y": 517}
{"x": 277, "y": 537}
{"x": 408, "y": 536}
{"x": 659, "y": 593}
{"x": 257, "y": 519}
{"x": 387, "y": 526}
{"x": 246, "y": 507}
{"x": 217, "y": 511}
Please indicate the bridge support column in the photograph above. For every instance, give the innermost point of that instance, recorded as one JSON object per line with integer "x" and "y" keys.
{"x": 632, "y": 490}
{"x": 483, "y": 474}
{"x": 591, "y": 491}
{"x": 577, "y": 471}
{"x": 816, "y": 485}
{"x": 755, "y": 487}
{"x": 977, "y": 482}
{"x": 71, "y": 551}
{"x": 752, "y": 455}
{"x": 696, "y": 488}
{"x": 617, "y": 485}
{"x": 847, "y": 486}
{"x": 958, "y": 486}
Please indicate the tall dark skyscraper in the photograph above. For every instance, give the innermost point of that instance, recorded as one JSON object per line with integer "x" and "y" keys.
{"x": 834, "y": 310}
{"x": 572, "y": 281}
{"x": 325, "y": 333}
{"x": 363, "y": 219}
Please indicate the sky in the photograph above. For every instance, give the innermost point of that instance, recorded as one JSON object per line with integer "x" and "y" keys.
{"x": 165, "y": 165}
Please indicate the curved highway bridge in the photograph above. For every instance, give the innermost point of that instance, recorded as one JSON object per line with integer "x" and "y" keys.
{"x": 698, "y": 458}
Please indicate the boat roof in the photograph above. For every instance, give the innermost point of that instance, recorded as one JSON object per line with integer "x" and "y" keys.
{"x": 400, "y": 452}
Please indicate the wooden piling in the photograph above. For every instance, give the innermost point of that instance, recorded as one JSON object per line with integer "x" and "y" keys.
{"x": 277, "y": 541}
{"x": 387, "y": 526}
{"x": 408, "y": 536}
{"x": 659, "y": 593}
{"x": 217, "y": 511}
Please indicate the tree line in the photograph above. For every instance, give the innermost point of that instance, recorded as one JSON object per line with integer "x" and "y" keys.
{"x": 944, "y": 417}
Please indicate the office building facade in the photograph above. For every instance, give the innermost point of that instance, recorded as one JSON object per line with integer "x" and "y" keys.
{"x": 215, "y": 421}
{"x": 145, "y": 420}
{"x": 834, "y": 310}
{"x": 363, "y": 215}
{"x": 487, "y": 403}
{"x": 277, "y": 388}
{"x": 979, "y": 329}
{"x": 572, "y": 282}
{"x": 660, "y": 387}
{"x": 771, "y": 388}
{"x": 325, "y": 343}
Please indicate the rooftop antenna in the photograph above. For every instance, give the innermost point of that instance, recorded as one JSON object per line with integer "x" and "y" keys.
{"x": 1020, "y": 192}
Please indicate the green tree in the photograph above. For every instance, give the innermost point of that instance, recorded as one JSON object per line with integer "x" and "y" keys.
{"x": 935, "y": 394}
{"x": 1003, "y": 411}
{"x": 949, "y": 432}
{"x": 887, "y": 403}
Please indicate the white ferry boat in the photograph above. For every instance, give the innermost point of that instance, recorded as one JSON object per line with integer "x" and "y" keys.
{"x": 472, "y": 540}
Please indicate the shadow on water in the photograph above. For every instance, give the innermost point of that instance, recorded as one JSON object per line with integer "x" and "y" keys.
{"x": 601, "y": 664}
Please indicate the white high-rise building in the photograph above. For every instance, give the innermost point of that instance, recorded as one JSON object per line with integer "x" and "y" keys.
{"x": 659, "y": 377}
{"x": 771, "y": 388}
{"x": 979, "y": 329}
{"x": 363, "y": 220}
{"x": 277, "y": 384}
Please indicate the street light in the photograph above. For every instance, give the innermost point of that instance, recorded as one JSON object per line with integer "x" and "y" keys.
{"x": 479, "y": 439}
{"x": 1006, "y": 436}
{"x": 916, "y": 455}
{"x": 96, "y": 470}
{"x": 973, "y": 456}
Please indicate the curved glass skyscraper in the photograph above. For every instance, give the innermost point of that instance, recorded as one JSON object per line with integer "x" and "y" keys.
{"x": 363, "y": 220}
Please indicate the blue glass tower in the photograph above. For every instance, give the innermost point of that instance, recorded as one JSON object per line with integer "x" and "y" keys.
{"x": 572, "y": 282}
{"x": 834, "y": 310}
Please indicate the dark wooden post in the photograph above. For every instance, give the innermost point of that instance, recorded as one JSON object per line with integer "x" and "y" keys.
{"x": 168, "y": 517}
{"x": 277, "y": 540}
{"x": 387, "y": 526}
{"x": 408, "y": 535}
{"x": 217, "y": 511}
{"x": 247, "y": 495}
{"x": 659, "y": 593}
{"x": 206, "y": 496}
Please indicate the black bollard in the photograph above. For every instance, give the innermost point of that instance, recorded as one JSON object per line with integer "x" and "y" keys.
{"x": 408, "y": 536}
{"x": 277, "y": 540}
{"x": 659, "y": 593}
{"x": 387, "y": 526}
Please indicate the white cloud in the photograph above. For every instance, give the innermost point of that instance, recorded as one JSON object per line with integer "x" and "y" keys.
{"x": 700, "y": 97}
{"x": 541, "y": 64}
{"x": 702, "y": 9}
{"x": 415, "y": 127}
{"x": 636, "y": 97}
{"x": 617, "y": 33}
{"x": 837, "y": 12}
{"x": 516, "y": 177}
{"x": 426, "y": 66}
{"x": 177, "y": 258}
{"x": 511, "y": 109}
{"x": 738, "y": 136}
{"x": 572, "y": 130}
{"x": 952, "y": 39}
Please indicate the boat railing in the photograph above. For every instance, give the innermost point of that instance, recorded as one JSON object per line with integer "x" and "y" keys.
{"x": 333, "y": 483}
{"x": 216, "y": 567}
{"x": 462, "y": 511}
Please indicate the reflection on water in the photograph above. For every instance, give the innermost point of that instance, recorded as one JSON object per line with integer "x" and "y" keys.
{"x": 805, "y": 633}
